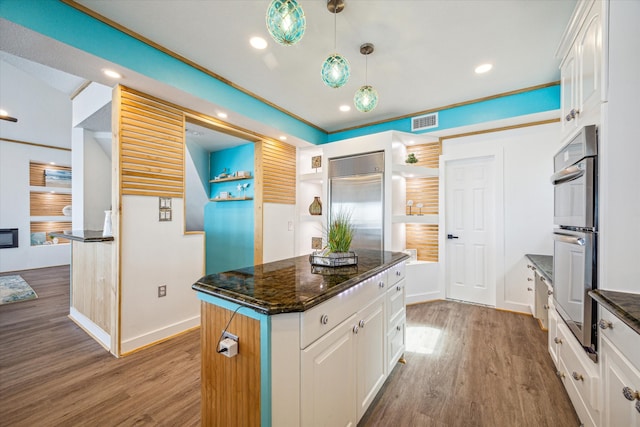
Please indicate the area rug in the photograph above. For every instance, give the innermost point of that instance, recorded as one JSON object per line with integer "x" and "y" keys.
{"x": 14, "y": 289}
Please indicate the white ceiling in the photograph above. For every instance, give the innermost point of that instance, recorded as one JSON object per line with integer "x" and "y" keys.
{"x": 425, "y": 51}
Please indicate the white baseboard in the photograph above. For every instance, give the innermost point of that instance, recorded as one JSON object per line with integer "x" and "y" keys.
{"x": 423, "y": 297}
{"x": 95, "y": 331}
{"x": 151, "y": 337}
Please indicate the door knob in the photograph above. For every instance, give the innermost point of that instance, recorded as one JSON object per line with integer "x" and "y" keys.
{"x": 451, "y": 236}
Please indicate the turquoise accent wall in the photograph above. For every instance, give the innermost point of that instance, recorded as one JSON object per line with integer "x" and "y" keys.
{"x": 229, "y": 226}
{"x": 519, "y": 104}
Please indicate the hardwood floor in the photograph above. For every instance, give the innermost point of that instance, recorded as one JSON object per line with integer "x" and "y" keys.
{"x": 474, "y": 366}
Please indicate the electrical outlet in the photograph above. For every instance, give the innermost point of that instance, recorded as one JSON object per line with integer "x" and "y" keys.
{"x": 162, "y": 291}
{"x": 226, "y": 334}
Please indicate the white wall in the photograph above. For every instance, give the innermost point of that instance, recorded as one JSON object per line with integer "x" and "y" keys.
{"x": 97, "y": 183}
{"x": 196, "y": 171}
{"x": 522, "y": 179}
{"x": 44, "y": 117}
{"x": 278, "y": 235}
{"x": 154, "y": 253}
{"x": 619, "y": 157}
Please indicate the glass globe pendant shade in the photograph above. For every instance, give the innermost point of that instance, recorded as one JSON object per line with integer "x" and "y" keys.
{"x": 335, "y": 71}
{"x": 286, "y": 22}
{"x": 366, "y": 99}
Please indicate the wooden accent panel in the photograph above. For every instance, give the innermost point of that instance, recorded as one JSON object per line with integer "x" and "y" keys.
{"x": 91, "y": 285}
{"x": 230, "y": 386}
{"x": 424, "y": 237}
{"x": 151, "y": 146}
{"x": 258, "y": 211}
{"x": 48, "y": 204}
{"x": 279, "y": 172}
{"x": 51, "y": 226}
{"x": 36, "y": 172}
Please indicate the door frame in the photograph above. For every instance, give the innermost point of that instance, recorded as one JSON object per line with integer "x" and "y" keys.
{"x": 497, "y": 153}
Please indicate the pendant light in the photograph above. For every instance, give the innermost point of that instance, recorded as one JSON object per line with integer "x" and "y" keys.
{"x": 366, "y": 98}
{"x": 286, "y": 21}
{"x": 335, "y": 69}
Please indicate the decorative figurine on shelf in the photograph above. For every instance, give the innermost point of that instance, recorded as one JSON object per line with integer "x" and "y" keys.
{"x": 316, "y": 162}
{"x": 411, "y": 159}
{"x": 316, "y": 206}
{"x": 243, "y": 188}
{"x": 409, "y": 203}
{"x": 223, "y": 174}
{"x": 419, "y": 206}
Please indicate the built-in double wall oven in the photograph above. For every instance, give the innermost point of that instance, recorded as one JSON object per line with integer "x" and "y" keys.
{"x": 575, "y": 182}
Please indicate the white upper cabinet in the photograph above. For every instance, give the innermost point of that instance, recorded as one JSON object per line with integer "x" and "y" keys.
{"x": 581, "y": 68}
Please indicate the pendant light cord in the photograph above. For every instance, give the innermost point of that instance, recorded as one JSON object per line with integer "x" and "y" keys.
{"x": 335, "y": 32}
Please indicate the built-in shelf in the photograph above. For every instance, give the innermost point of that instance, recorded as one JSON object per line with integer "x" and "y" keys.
{"x": 41, "y": 189}
{"x": 231, "y": 178}
{"x": 311, "y": 218}
{"x": 411, "y": 171}
{"x": 60, "y": 218}
{"x": 312, "y": 178}
{"x": 232, "y": 199}
{"x": 415, "y": 219}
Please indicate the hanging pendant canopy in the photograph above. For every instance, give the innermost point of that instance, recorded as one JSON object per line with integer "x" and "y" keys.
{"x": 286, "y": 21}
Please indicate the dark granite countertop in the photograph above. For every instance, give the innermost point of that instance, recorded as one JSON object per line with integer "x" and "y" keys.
{"x": 544, "y": 265}
{"x": 83, "y": 235}
{"x": 289, "y": 285}
{"x": 624, "y": 305}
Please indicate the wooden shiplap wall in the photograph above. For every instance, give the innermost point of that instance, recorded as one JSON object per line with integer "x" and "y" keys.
{"x": 36, "y": 172}
{"x": 151, "y": 146}
{"x": 424, "y": 237}
{"x": 48, "y": 204}
{"x": 51, "y": 226}
{"x": 278, "y": 172}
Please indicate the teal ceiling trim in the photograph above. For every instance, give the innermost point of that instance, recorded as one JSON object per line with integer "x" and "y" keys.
{"x": 61, "y": 22}
{"x": 504, "y": 107}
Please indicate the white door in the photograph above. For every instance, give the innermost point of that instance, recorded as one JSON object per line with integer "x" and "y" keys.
{"x": 470, "y": 230}
{"x": 370, "y": 352}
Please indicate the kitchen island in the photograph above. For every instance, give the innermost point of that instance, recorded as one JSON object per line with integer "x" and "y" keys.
{"x": 313, "y": 348}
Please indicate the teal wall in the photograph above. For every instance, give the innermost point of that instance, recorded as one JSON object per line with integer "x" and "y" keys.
{"x": 229, "y": 226}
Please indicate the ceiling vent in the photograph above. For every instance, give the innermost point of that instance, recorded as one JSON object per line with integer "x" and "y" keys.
{"x": 427, "y": 121}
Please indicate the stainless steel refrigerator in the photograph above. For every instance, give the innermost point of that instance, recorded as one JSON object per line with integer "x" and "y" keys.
{"x": 356, "y": 187}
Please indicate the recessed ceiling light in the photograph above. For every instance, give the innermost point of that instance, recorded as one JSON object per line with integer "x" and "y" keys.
{"x": 222, "y": 115}
{"x": 4, "y": 113}
{"x": 283, "y": 138}
{"x": 345, "y": 108}
{"x": 258, "y": 42}
{"x": 483, "y": 68}
{"x": 52, "y": 163}
{"x": 112, "y": 74}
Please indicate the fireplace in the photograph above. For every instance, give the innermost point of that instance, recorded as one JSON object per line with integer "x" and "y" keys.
{"x": 8, "y": 238}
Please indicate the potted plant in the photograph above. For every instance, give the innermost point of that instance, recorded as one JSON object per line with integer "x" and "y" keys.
{"x": 339, "y": 235}
{"x": 411, "y": 159}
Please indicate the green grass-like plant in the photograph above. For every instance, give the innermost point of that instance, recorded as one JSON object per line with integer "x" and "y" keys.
{"x": 340, "y": 232}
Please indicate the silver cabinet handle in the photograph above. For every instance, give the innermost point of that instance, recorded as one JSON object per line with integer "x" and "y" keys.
{"x": 398, "y": 328}
{"x": 398, "y": 273}
{"x": 543, "y": 279}
{"x": 572, "y": 114}
{"x": 355, "y": 329}
{"x": 638, "y": 406}
{"x": 631, "y": 394}
{"x": 557, "y": 340}
{"x": 605, "y": 324}
{"x": 572, "y": 240}
{"x": 546, "y": 307}
{"x": 576, "y": 376}
{"x": 549, "y": 293}
{"x": 529, "y": 279}
{"x": 381, "y": 284}
{"x": 560, "y": 374}
{"x": 530, "y": 289}
{"x": 324, "y": 319}
{"x": 398, "y": 288}
{"x": 529, "y": 266}
{"x": 361, "y": 323}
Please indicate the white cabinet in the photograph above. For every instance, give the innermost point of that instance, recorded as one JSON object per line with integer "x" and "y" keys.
{"x": 370, "y": 353}
{"x": 328, "y": 378}
{"x": 581, "y": 68}
{"x": 553, "y": 335}
{"x": 620, "y": 364}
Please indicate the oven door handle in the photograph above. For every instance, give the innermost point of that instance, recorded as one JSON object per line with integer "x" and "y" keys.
{"x": 572, "y": 240}
{"x": 567, "y": 174}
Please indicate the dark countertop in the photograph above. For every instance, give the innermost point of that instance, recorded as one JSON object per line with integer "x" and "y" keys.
{"x": 288, "y": 285}
{"x": 83, "y": 235}
{"x": 544, "y": 265}
{"x": 624, "y": 305}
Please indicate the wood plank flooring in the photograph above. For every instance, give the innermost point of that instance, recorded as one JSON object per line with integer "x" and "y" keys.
{"x": 475, "y": 366}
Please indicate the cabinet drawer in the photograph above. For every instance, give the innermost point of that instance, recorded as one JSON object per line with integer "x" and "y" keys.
{"x": 580, "y": 370}
{"x": 396, "y": 273}
{"x": 395, "y": 301}
{"x": 620, "y": 335}
{"x": 574, "y": 394}
{"x": 322, "y": 318}
{"x": 396, "y": 341}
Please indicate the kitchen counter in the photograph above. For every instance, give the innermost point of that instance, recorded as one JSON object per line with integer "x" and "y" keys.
{"x": 289, "y": 285}
{"x": 544, "y": 264}
{"x": 83, "y": 235}
{"x": 624, "y": 305}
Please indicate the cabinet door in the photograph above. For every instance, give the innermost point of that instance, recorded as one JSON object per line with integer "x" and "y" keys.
{"x": 619, "y": 376}
{"x": 589, "y": 46}
{"x": 329, "y": 379}
{"x": 568, "y": 93}
{"x": 553, "y": 335}
{"x": 370, "y": 353}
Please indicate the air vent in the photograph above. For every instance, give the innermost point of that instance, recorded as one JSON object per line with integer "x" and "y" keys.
{"x": 427, "y": 121}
